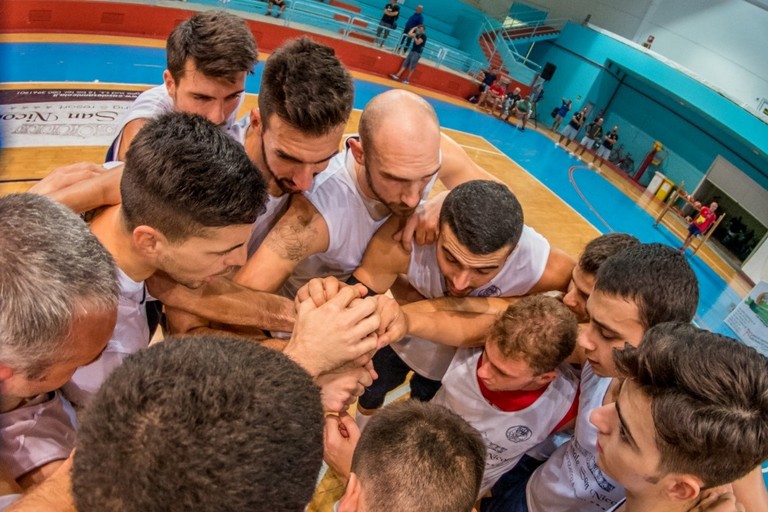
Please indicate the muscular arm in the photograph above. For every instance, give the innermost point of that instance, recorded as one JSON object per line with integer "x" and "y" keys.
{"x": 383, "y": 260}
{"x": 455, "y": 322}
{"x": 557, "y": 273}
{"x": 300, "y": 232}
{"x": 225, "y": 302}
{"x": 90, "y": 193}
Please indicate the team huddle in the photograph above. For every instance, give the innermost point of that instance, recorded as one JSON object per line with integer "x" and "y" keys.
{"x": 294, "y": 279}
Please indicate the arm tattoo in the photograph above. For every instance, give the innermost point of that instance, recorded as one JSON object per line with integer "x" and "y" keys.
{"x": 292, "y": 240}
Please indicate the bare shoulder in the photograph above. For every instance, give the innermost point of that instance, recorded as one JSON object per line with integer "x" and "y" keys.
{"x": 129, "y": 132}
{"x": 300, "y": 232}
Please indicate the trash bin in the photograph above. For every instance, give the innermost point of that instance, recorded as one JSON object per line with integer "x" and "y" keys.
{"x": 664, "y": 189}
{"x": 655, "y": 183}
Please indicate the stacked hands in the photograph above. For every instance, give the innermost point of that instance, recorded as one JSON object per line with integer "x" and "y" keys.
{"x": 337, "y": 331}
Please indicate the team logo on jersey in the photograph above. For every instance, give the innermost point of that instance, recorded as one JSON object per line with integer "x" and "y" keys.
{"x": 491, "y": 291}
{"x": 519, "y": 433}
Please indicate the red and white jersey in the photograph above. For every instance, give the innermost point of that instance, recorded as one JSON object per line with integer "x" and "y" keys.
{"x": 507, "y": 435}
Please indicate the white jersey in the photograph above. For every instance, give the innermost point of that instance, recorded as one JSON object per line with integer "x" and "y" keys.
{"x": 39, "y": 432}
{"x": 131, "y": 334}
{"x": 352, "y": 220}
{"x": 155, "y": 102}
{"x": 521, "y": 271}
{"x": 507, "y": 435}
{"x": 570, "y": 479}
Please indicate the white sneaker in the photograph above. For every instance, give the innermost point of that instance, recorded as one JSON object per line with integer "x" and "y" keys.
{"x": 571, "y": 154}
{"x": 591, "y": 165}
{"x": 405, "y": 82}
{"x": 557, "y": 144}
{"x": 394, "y": 76}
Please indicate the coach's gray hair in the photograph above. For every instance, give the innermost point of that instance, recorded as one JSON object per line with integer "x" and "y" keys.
{"x": 51, "y": 267}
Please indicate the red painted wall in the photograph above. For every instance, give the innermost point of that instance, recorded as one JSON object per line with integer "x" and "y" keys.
{"x": 136, "y": 20}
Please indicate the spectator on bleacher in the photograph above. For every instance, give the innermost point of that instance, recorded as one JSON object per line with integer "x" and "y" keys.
{"x": 487, "y": 78}
{"x": 388, "y": 21}
{"x": 560, "y": 113}
{"x": 281, "y": 5}
{"x": 415, "y": 20}
{"x": 522, "y": 111}
{"x": 493, "y": 97}
{"x": 510, "y": 100}
{"x": 419, "y": 36}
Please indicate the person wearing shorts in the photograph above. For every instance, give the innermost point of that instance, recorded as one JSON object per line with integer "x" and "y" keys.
{"x": 419, "y": 36}
{"x": 610, "y": 140}
{"x": 594, "y": 132}
{"x": 574, "y": 125}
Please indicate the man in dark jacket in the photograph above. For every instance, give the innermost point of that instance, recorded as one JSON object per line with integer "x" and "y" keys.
{"x": 415, "y": 20}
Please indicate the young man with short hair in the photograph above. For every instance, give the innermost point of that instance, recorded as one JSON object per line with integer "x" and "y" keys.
{"x": 201, "y": 423}
{"x": 412, "y": 456}
{"x": 517, "y": 390}
{"x": 208, "y": 58}
{"x": 190, "y": 196}
{"x": 59, "y": 300}
{"x": 585, "y": 272}
{"x": 635, "y": 289}
{"x": 690, "y": 415}
{"x": 483, "y": 250}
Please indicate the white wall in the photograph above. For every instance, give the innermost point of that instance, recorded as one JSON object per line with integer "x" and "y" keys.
{"x": 725, "y": 42}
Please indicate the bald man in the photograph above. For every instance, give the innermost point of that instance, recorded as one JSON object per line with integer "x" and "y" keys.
{"x": 388, "y": 169}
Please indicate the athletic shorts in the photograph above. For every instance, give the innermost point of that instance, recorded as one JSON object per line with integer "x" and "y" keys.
{"x": 603, "y": 152}
{"x": 694, "y": 230}
{"x": 411, "y": 60}
{"x": 587, "y": 142}
{"x": 570, "y": 132}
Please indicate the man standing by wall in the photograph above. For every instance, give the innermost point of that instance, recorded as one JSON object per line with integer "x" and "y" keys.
{"x": 415, "y": 20}
{"x": 419, "y": 36}
{"x": 388, "y": 21}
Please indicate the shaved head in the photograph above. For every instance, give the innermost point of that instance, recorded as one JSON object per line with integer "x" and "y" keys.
{"x": 398, "y": 120}
{"x": 399, "y": 150}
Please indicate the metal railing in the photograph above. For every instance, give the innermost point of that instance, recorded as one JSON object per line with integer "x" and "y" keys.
{"x": 361, "y": 29}
{"x": 517, "y": 66}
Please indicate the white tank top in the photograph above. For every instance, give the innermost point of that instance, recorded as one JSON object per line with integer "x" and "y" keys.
{"x": 35, "y": 434}
{"x": 131, "y": 334}
{"x": 521, "y": 271}
{"x": 155, "y": 102}
{"x": 570, "y": 479}
{"x": 352, "y": 221}
{"x": 507, "y": 435}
